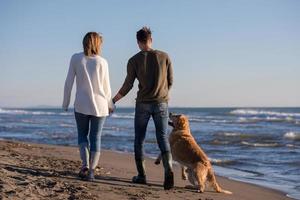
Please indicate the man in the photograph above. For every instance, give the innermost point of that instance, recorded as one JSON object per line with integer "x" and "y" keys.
{"x": 153, "y": 69}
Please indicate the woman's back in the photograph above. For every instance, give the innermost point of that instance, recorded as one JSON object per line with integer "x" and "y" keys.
{"x": 93, "y": 91}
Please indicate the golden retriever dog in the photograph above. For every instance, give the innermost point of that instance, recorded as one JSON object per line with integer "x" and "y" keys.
{"x": 190, "y": 156}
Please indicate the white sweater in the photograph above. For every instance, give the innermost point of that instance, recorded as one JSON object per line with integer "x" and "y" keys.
{"x": 93, "y": 92}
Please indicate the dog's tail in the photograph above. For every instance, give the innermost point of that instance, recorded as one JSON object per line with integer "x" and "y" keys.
{"x": 212, "y": 179}
{"x": 225, "y": 191}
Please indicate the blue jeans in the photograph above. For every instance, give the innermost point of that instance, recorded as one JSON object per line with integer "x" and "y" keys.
{"x": 159, "y": 113}
{"x": 89, "y": 130}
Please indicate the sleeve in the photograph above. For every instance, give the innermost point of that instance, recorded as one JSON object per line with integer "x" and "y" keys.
{"x": 106, "y": 86}
{"x": 129, "y": 80}
{"x": 170, "y": 73}
{"x": 68, "y": 85}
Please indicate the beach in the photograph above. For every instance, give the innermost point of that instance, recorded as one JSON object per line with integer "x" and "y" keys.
{"x": 229, "y": 136}
{"x": 39, "y": 171}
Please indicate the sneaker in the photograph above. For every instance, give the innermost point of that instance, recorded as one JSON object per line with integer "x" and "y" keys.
{"x": 139, "y": 179}
{"x": 83, "y": 173}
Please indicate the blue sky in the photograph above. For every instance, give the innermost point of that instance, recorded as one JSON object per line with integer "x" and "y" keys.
{"x": 225, "y": 53}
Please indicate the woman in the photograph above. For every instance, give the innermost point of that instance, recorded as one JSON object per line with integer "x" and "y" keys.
{"x": 93, "y": 100}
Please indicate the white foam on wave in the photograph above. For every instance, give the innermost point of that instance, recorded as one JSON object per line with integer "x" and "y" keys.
{"x": 210, "y": 119}
{"x": 197, "y": 120}
{"x": 292, "y": 136}
{"x": 66, "y": 125}
{"x": 120, "y": 116}
{"x": 259, "y": 144}
{"x": 249, "y": 120}
{"x": 66, "y": 113}
{"x": 5, "y": 111}
{"x": 220, "y": 161}
{"x": 263, "y": 112}
{"x": 24, "y": 112}
{"x": 231, "y": 134}
{"x": 236, "y": 135}
{"x": 244, "y": 120}
{"x": 292, "y": 146}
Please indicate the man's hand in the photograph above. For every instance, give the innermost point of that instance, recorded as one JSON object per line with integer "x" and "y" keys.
{"x": 117, "y": 98}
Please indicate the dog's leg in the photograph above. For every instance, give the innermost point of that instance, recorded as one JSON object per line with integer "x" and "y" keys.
{"x": 158, "y": 159}
{"x": 201, "y": 175}
{"x": 183, "y": 173}
{"x": 213, "y": 181}
{"x": 192, "y": 177}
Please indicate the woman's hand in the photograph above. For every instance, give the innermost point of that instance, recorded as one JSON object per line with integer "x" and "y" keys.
{"x": 111, "y": 107}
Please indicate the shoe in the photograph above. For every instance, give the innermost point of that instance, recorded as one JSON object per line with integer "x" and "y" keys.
{"x": 83, "y": 173}
{"x": 169, "y": 181}
{"x": 169, "y": 175}
{"x": 139, "y": 179}
{"x": 94, "y": 159}
{"x": 84, "y": 154}
{"x": 91, "y": 176}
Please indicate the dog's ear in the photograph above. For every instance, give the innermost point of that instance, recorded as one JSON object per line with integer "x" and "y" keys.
{"x": 182, "y": 122}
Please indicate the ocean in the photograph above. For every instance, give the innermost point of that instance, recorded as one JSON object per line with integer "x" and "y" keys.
{"x": 255, "y": 145}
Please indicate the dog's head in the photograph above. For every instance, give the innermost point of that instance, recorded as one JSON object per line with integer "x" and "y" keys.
{"x": 180, "y": 122}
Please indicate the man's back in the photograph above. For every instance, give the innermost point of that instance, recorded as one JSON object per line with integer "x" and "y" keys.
{"x": 153, "y": 69}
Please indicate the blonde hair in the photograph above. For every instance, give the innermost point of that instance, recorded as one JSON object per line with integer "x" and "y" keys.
{"x": 91, "y": 43}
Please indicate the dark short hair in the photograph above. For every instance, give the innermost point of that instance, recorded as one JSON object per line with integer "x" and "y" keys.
{"x": 143, "y": 35}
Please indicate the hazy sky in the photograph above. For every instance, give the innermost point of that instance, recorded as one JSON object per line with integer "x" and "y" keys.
{"x": 224, "y": 53}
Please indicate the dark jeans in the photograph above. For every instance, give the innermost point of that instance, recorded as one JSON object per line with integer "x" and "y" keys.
{"x": 159, "y": 113}
{"x": 89, "y": 130}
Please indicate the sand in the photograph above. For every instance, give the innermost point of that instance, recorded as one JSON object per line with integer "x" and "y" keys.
{"x": 36, "y": 171}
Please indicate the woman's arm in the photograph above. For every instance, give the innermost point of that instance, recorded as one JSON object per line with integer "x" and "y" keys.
{"x": 68, "y": 86}
{"x": 107, "y": 88}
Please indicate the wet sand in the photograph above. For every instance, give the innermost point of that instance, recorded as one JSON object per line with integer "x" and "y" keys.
{"x": 37, "y": 171}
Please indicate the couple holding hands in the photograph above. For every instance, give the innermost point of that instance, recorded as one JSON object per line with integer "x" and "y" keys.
{"x": 93, "y": 103}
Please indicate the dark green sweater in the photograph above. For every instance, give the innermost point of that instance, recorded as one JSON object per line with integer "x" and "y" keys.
{"x": 154, "y": 71}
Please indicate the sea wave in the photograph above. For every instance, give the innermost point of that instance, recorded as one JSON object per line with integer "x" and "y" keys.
{"x": 292, "y": 146}
{"x": 219, "y": 142}
{"x": 66, "y": 113}
{"x": 209, "y": 119}
{"x": 197, "y": 120}
{"x": 232, "y": 134}
{"x": 246, "y": 120}
{"x": 66, "y": 125}
{"x": 292, "y": 136}
{"x": 222, "y": 162}
{"x": 251, "y": 112}
{"x": 24, "y": 112}
{"x": 123, "y": 116}
{"x": 259, "y": 144}
{"x": 237, "y": 135}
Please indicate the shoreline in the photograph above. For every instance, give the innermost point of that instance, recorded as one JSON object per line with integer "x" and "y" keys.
{"x": 52, "y": 171}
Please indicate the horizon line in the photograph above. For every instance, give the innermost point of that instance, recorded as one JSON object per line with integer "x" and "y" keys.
{"x": 59, "y": 107}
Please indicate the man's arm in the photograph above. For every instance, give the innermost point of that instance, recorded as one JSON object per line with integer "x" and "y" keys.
{"x": 117, "y": 98}
{"x": 170, "y": 73}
